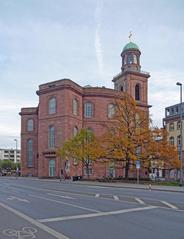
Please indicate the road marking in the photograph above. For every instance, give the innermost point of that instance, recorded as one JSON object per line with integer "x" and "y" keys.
{"x": 25, "y": 232}
{"x": 96, "y": 214}
{"x": 35, "y": 222}
{"x": 97, "y": 195}
{"x": 65, "y": 203}
{"x": 169, "y": 205}
{"x": 116, "y": 197}
{"x": 60, "y": 196}
{"x": 19, "y": 199}
{"x": 96, "y": 187}
{"x": 139, "y": 201}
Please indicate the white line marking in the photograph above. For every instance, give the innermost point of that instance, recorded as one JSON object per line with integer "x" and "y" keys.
{"x": 65, "y": 203}
{"x": 116, "y": 197}
{"x": 139, "y": 201}
{"x": 19, "y": 199}
{"x": 36, "y": 223}
{"x": 97, "y": 214}
{"x": 169, "y": 205}
{"x": 97, "y": 195}
{"x": 96, "y": 187}
{"x": 60, "y": 196}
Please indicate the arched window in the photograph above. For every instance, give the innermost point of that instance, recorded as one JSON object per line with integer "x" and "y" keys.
{"x": 137, "y": 120}
{"x": 75, "y": 106}
{"x": 130, "y": 58}
{"x": 135, "y": 59}
{"x": 121, "y": 88}
{"x": 30, "y": 153}
{"x": 88, "y": 110}
{"x": 51, "y": 137}
{"x": 171, "y": 140}
{"x": 51, "y": 168}
{"x": 30, "y": 125}
{"x": 75, "y": 130}
{"x": 52, "y": 105}
{"x": 111, "y": 110}
{"x": 137, "y": 92}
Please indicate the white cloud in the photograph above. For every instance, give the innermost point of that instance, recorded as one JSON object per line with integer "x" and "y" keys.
{"x": 163, "y": 92}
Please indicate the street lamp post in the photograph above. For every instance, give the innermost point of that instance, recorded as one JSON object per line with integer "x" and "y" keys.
{"x": 15, "y": 158}
{"x": 181, "y": 136}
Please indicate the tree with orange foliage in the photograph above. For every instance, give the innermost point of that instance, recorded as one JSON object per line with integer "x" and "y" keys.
{"x": 130, "y": 138}
{"x": 160, "y": 152}
{"x": 128, "y": 133}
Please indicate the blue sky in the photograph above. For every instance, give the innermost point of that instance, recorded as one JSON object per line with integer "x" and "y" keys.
{"x": 47, "y": 40}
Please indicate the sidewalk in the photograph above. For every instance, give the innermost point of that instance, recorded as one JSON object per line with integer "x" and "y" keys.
{"x": 133, "y": 186}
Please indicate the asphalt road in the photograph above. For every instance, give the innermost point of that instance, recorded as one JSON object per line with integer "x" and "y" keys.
{"x": 32, "y": 208}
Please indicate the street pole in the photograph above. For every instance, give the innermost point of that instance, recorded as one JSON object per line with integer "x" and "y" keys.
{"x": 15, "y": 158}
{"x": 181, "y": 136}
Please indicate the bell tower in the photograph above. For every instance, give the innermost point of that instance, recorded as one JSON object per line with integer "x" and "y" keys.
{"x": 131, "y": 79}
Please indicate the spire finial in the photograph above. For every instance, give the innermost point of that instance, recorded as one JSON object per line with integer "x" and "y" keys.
{"x": 130, "y": 35}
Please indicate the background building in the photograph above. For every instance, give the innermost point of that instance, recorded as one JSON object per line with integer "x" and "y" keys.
{"x": 10, "y": 154}
{"x": 65, "y": 107}
{"x": 173, "y": 125}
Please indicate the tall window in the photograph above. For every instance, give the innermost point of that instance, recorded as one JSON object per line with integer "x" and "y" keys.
{"x": 88, "y": 110}
{"x": 171, "y": 127}
{"x": 178, "y": 140}
{"x": 111, "y": 110}
{"x": 51, "y": 137}
{"x": 30, "y": 153}
{"x": 130, "y": 58}
{"x": 30, "y": 125}
{"x": 51, "y": 168}
{"x": 75, "y": 130}
{"x": 137, "y": 92}
{"x": 178, "y": 125}
{"x": 75, "y": 106}
{"x": 171, "y": 140}
{"x": 52, "y": 105}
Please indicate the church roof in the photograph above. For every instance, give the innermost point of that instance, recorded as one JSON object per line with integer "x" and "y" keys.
{"x": 130, "y": 45}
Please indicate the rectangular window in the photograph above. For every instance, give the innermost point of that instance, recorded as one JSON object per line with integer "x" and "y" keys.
{"x": 51, "y": 137}
{"x": 171, "y": 127}
{"x": 88, "y": 110}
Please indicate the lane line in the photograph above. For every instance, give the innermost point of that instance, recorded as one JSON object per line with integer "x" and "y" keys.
{"x": 60, "y": 196}
{"x": 116, "y": 198}
{"x": 139, "y": 201}
{"x": 96, "y": 214}
{"x": 65, "y": 203}
{"x": 18, "y": 199}
{"x": 169, "y": 205}
{"x": 96, "y": 187}
{"x": 35, "y": 222}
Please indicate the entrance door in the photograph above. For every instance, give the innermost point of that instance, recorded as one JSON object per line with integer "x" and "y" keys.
{"x": 51, "y": 168}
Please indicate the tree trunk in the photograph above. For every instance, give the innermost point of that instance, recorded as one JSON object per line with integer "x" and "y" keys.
{"x": 127, "y": 168}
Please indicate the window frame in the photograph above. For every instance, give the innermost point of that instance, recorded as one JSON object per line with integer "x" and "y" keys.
{"x": 75, "y": 106}
{"x": 88, "y": 112}
{"x": 52, "y": 106}
{"x": 30, "y": 126}
{"x": 51, "y": 137}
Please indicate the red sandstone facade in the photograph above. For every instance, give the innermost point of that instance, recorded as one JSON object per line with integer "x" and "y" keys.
{"x": 65, "y": 107}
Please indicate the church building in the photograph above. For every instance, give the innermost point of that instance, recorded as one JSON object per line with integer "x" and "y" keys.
{"x": 65, "y": 107}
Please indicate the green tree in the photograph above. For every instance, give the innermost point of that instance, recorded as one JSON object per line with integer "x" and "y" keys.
{"x": 83, "y": 147}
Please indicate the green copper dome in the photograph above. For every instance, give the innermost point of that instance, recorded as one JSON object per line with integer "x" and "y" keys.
{"x": 130, "y": 45}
